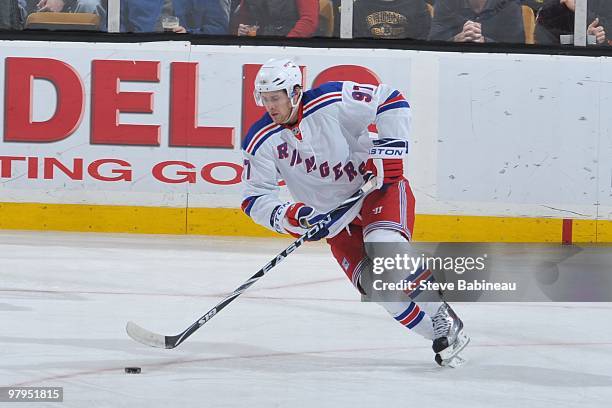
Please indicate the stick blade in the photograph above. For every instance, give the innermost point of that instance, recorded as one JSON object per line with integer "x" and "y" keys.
{"x": 145, "y": 336}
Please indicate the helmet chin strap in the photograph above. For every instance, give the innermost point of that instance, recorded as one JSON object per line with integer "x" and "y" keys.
{"x": 294, "y": 108}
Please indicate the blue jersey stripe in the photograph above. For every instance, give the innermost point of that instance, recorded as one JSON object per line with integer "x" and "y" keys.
{"x": 393, "y": 95}
{"x": 250, "y": 202}
{"x": 264, "y": 138}
{"x": 395, "y": 105}
{"x": 326, "y": 88}
{"x": 322, "y": 105}
{"x": 264, "y": 121}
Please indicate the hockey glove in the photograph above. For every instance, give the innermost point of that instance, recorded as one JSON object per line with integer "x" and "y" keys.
{"x": 386, "y": 160}
{"x": 298, "y": 215}
{"x": 297, "y": 219}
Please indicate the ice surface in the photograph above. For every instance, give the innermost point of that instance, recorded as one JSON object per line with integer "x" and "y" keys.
{"x": 299, "y": 338}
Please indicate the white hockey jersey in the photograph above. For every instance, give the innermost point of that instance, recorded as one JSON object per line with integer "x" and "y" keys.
{"x": 322, "y": 157}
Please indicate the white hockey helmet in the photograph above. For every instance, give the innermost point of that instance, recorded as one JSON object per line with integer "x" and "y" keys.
{"x": 277, "y": 75}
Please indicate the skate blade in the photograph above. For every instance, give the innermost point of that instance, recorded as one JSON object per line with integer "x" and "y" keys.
{"x": 462, "y": 341}
{"x": 454, "y": 362}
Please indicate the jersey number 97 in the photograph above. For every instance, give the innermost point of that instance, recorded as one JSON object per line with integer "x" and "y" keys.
{"x": 362, "y": 93}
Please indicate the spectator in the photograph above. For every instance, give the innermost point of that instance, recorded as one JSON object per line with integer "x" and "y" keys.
{"x": 141, "y": 16}
{"x": 556, "y": 18}
{"x": 478, "y": 21}
{"x": 203, "y": 16}
{"x": 68, "y": 6}
{"x": 290, "y": 18}
{"x": 391, "y": 19}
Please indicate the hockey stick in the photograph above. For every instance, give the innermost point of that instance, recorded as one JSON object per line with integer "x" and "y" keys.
{"x": 149, "y": 338}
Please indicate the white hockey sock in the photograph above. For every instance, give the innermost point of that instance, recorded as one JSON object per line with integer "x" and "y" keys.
{"x": 416, "y": 317}
{"x": 430, "y": 308}
{"x": 410, "y": 315}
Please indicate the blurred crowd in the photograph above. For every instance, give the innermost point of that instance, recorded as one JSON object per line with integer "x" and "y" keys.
{"x": 479, "y": 21}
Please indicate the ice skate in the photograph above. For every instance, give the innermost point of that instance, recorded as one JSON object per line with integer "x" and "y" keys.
{"x": 449, "y": 338}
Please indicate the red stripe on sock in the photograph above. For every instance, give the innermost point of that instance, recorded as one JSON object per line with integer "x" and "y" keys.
{"x": 411, "y": 316}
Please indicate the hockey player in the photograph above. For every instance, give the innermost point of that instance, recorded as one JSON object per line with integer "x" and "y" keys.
{"x": 318, "y": 143}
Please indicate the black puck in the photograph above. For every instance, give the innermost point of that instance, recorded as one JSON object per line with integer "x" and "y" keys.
{"x": 132, "y": 370}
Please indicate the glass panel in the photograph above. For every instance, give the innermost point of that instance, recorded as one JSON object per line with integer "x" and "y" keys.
{"x": 479, "y": 21}
{"x": 146, "y": 16}
{"x": 546, "y": 22}
{"x": 504, "y": 21}
{"x": 276, "y": 18}
{"x": 555, "y": 23}
{"x": 285, "y": 18}
{"x": 395, "y": 19}
{"x": 599, "y": 23}
{"x": 53, "y": 15}
{"x": 12, "y": 14}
